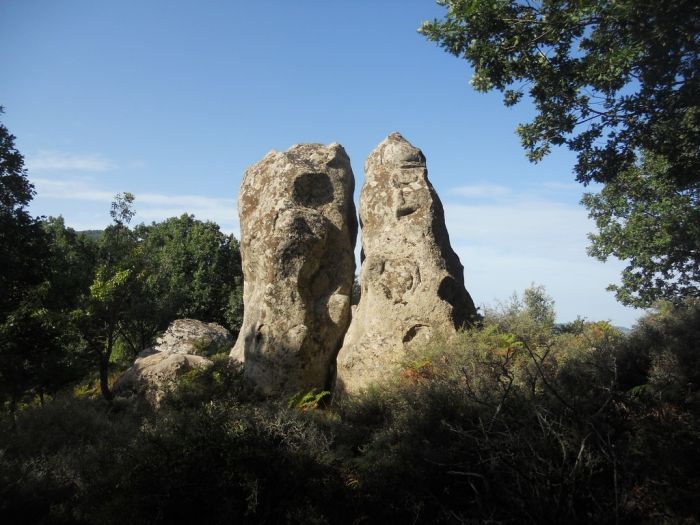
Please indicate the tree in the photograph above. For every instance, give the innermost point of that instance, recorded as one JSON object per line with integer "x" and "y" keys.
{"x": 114, "y": 289}
{"x": 148, "y": 276}
{"x": 15, "y": 189}
{"x": 23, "y": 258}
{"x": 611, "y": 81}
{"x": 45, "y": 269}
{"x": 191, "y": 269}
{"x": 21, "y": 237}
{"x": 122, "y": 210}
{"x": 71, "y": 266}
{"x": 643, "y": 218}
{"x": 42, "y": 327}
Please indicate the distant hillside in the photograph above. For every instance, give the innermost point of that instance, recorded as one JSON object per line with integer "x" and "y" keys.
{"x": 624, "y": 329}
{"x": 92, "y": 234}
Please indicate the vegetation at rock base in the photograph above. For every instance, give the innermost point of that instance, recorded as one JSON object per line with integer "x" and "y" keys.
{"x": 519, "y": 421}
{"x": 617, "y": 83}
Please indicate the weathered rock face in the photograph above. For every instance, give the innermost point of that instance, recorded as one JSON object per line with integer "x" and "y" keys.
{"x": 153, "y": 373}
{"x": 411, "y": 280}
{"x": 189, "y": 336}
{"x": 298, "y": 230}
{"x": 181, "y": 348}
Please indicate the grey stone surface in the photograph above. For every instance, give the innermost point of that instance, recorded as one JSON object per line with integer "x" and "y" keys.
{"x": 181, "y": 348}
{"x": 298, "y": 230}
{"x": 153, "y": 373}
{"x": 411, "y": 280}
{"x": 190, "y": 336}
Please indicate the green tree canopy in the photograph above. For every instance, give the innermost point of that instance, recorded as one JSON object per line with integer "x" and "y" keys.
{"x": 645, "y": 219}
{"x": 115, "y": 289}
{"x": 15, "y": 189}
{"x": 611, "y": 81}
{"x": 192, "y": 269}
{"x": 23, "y": 259}
{"x": 44, "y": 270}
{"x": 22, "y": 243}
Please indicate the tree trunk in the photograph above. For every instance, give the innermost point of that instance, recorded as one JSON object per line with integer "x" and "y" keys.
{"x": 104, "y": 377}
{"x": 104, "y": 365}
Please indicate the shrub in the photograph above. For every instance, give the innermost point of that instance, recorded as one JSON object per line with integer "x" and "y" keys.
{"x": 519, "y": 421}
{"x": 662, "y": 355}
{"x": 52, "y": 453}
{"x": 488, "y": 426}
{"x": 219, "y": 463}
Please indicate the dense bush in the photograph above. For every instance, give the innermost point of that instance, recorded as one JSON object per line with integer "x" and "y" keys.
{"x": 662, "y": 354}
{"x": 53, "y": 457}
{"x": 519, "y": 421}
{"x": 208, "y": 462}
{"x": 486, "y": 427}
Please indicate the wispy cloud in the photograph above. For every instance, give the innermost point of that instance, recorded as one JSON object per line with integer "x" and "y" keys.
{"x": 62, "y": 161}
{"x": 548, "y": 228}
{"x": 74, "y": 189}
{"x": 154, "y": 207}
{"x": 507, "y": 240}
{"x": 497, "y": 192}
{"x": 149, "y": 206}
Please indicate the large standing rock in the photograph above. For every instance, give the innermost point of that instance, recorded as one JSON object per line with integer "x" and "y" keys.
{"x": 298, "y": 229}
{"x": 411, "y": 280}
{"x": 181, "y": 348}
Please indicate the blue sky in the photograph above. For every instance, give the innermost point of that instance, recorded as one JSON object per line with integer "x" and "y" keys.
{"x": 172, "y": 100}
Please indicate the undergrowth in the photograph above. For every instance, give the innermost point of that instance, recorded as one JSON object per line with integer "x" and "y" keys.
{"x": 518, "y": 421}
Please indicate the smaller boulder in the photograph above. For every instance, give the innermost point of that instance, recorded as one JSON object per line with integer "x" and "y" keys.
{"x": 153, "y": 374}
{"x": 189, "y": 336}
{"x": 181, "y": 348}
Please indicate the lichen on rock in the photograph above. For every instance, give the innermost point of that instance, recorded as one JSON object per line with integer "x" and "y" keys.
{"x": 181, "y": 348}
{"x": 298, "y": 230}
{"x": 412, "y": 283}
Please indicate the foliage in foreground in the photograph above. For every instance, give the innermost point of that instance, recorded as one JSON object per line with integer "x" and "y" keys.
{"x": 521, "y": 421}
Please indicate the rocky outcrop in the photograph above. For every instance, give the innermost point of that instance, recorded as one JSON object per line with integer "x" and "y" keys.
{"x": 298, "y": 230}
{"x": 189, "y": 336}
{"x": 411, "y": 280}
{"x": 182, "y": 347}
{"x": 154, "y": 373}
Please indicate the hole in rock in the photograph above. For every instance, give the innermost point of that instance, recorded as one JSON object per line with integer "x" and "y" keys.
{"x": 414, "y": 331}
{"x": 313, "y": 189}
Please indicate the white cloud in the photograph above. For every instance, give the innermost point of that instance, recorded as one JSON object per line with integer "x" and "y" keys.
{"x": 61, "y": 161}
{"x": 526, "y": 226}
{"x": 510, "y": 241}
{"x": 505, "y": 242}
{"x": 73, "y": 189}
{"x": 79, "y": 193}
{"x": 221, "y": 211}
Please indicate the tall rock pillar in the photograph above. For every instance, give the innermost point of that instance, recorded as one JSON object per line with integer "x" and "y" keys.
{"x": 298, "y": 230}
{"x": 411, "y": 280}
